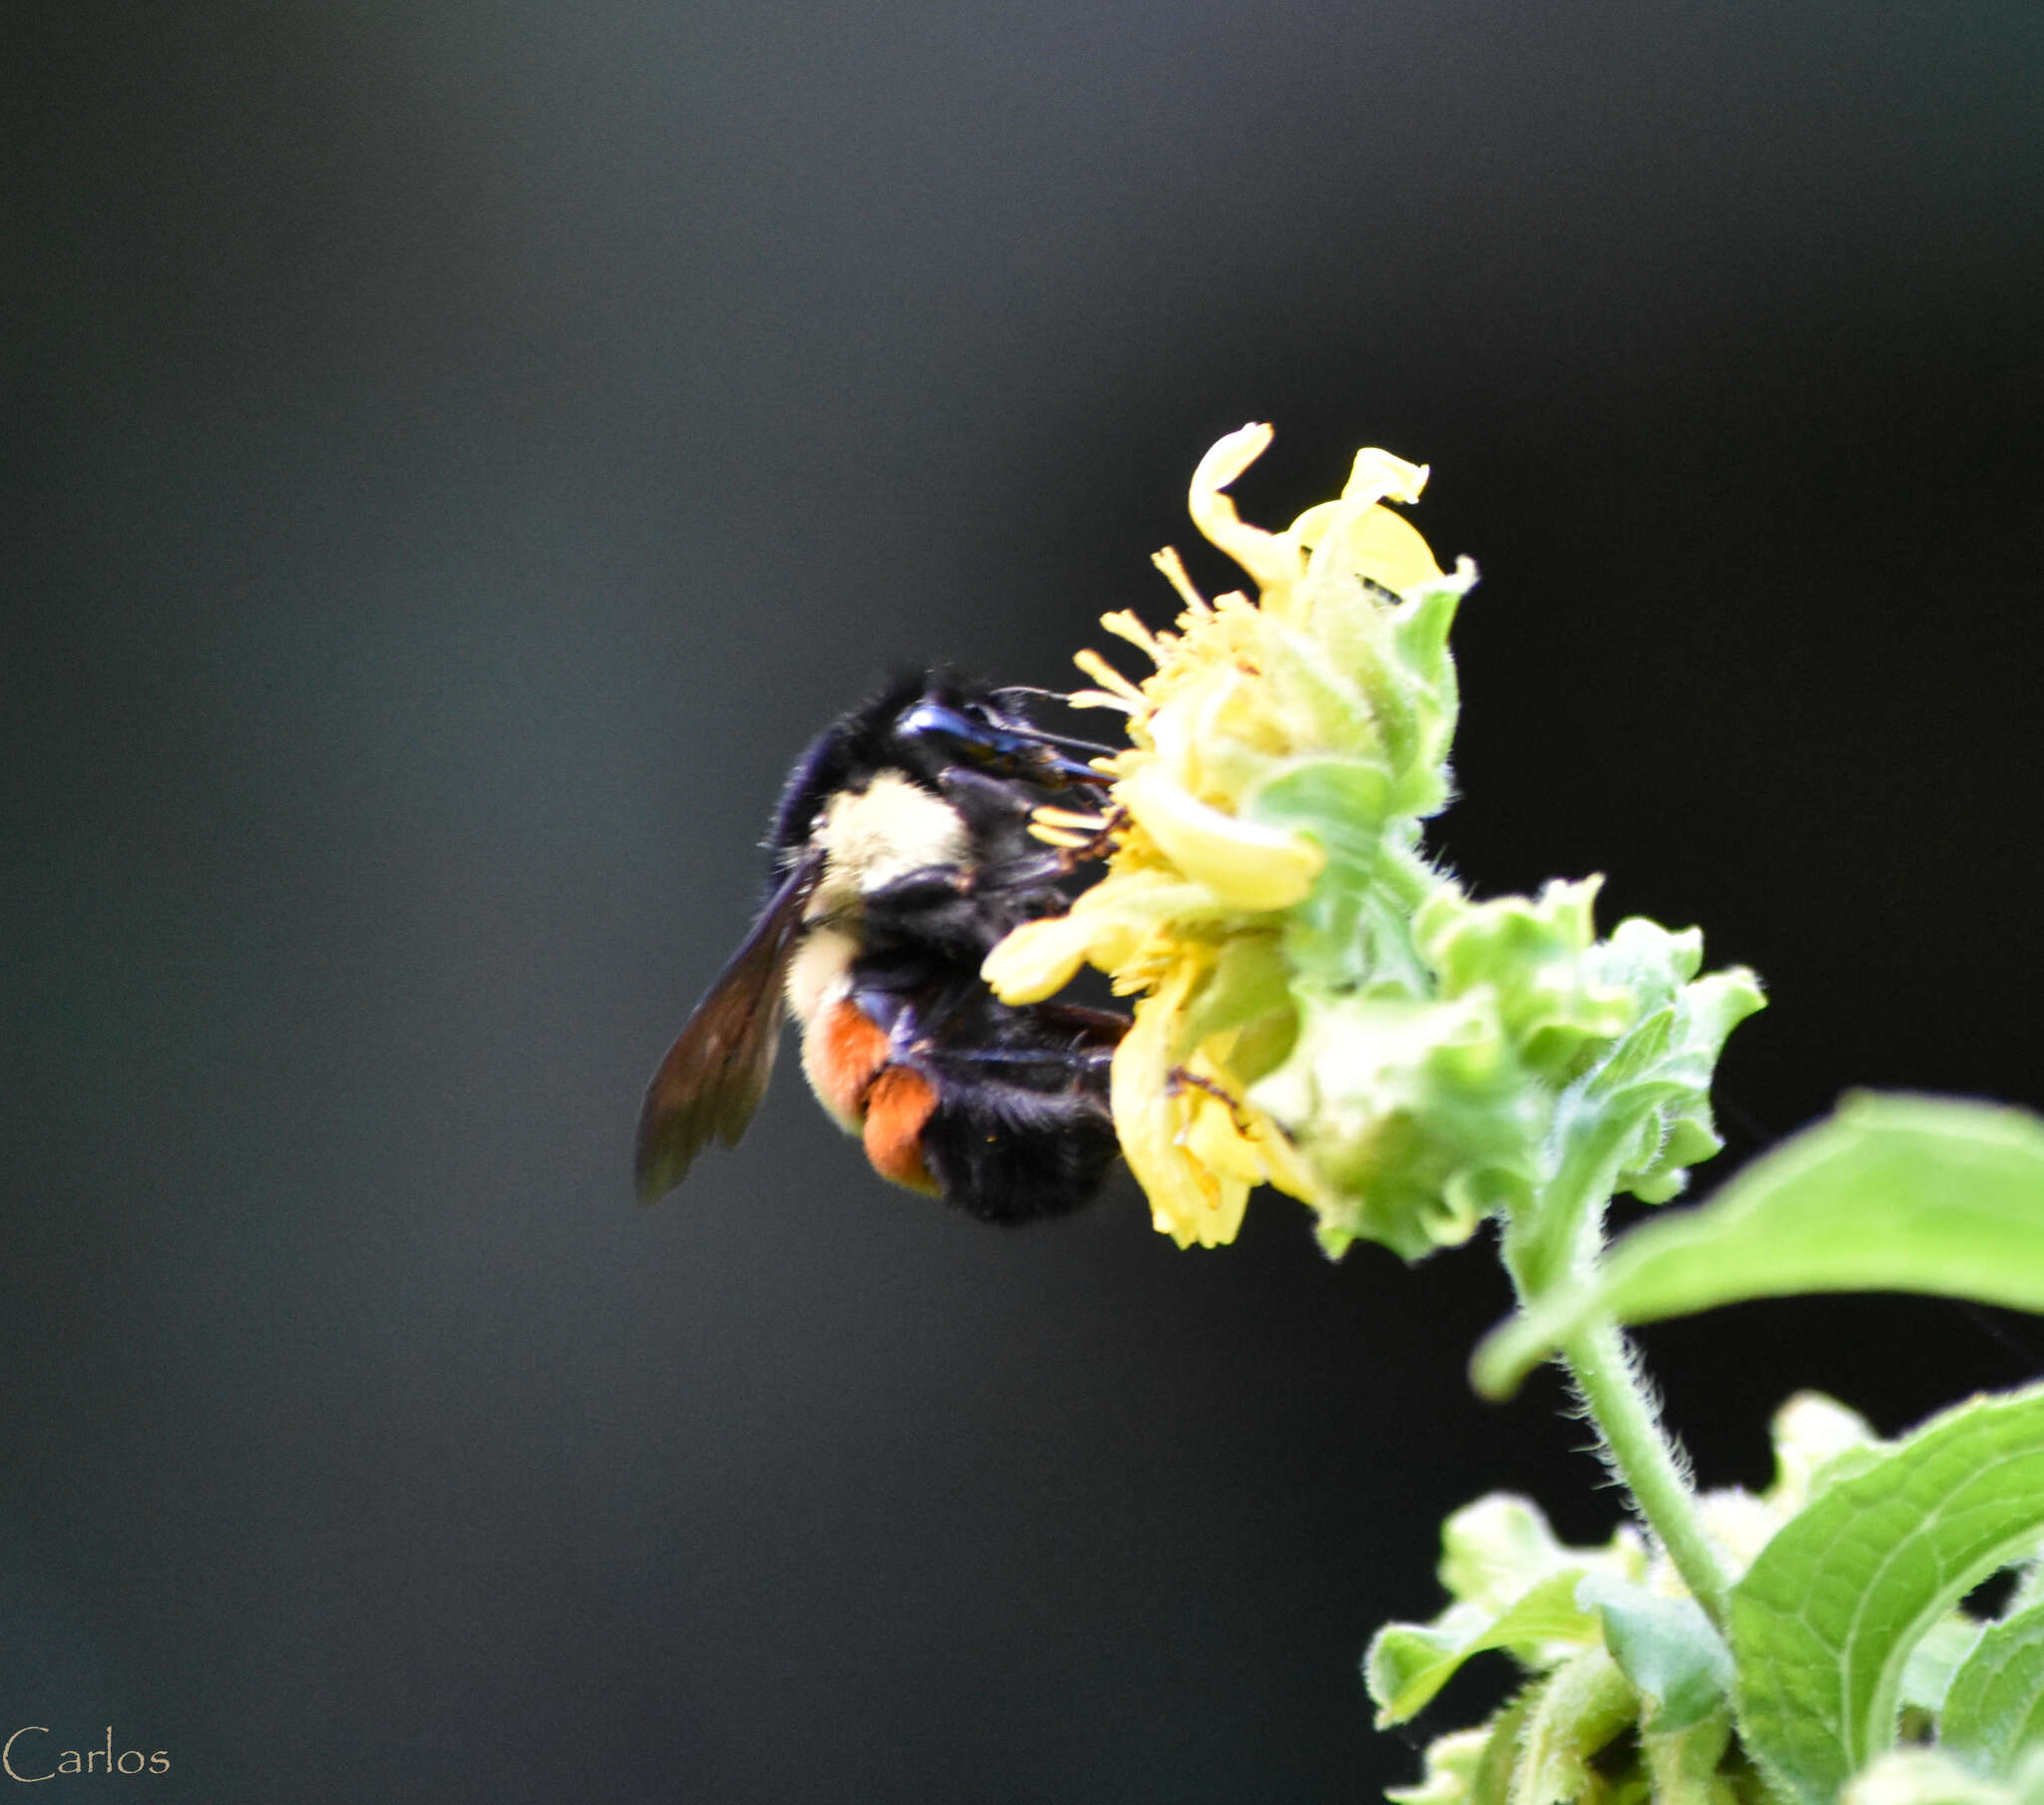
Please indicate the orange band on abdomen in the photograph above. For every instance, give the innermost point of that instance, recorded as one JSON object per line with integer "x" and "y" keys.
{"x": 898, "y": 1104}
{"x": 846, "y": 1048}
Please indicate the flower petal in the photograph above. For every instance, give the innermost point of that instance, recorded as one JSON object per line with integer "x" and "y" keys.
{"x": 1244, "y": 864}
{"x": 1036, "y": 959}
{"x": 1143, "y": 1112}
{"x": 1213, "y": 1139}
{"x": 1378, "y": 476}
{"x": 1390, "y": 550}
{"x": 1273, "y": 564}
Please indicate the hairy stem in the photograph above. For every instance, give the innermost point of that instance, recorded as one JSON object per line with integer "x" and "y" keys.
{"x": 1644, "y": 1456}
{"x": 1563, "y": 1237}
{"x": 1565, "y": 1234}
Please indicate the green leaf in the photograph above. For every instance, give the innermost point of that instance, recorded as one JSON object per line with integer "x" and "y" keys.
{"x": 1664, "y": 1646}
{"x": 1927, "y": 1674}
{"x": 1495, "y": 1549}
{"x": 1408, "y": 1663}
{"x": 1823, "y": 1623}
{"x": 1419, "y": 632}
{"x": 1995, "y": 1706}
{"x": 1249, "y": 983}
{"x": 1683, "y": 1763}
{"x": 1584, "y": 1705}
{"x": 1555, "y": 1007}
{"x": 1410, "y": 1115}
{"x": 1642, "y": 1113}
{"x": 1334, "y": 937}
{"x": 1491, "y": 1784}
{"x": 1891, "y": 1193}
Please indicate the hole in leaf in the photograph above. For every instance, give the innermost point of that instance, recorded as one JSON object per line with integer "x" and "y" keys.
{"x": 1987, "y": 1600}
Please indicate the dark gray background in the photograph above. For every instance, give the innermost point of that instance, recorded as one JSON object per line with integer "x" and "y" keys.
{"x": 457, "y": 454}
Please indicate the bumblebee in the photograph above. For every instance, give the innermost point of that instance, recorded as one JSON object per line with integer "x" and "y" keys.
{"x": 901, "y": 857}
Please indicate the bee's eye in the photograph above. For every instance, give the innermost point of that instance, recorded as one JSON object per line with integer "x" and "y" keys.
{"x": 957, "y": 727}
{"x": 975, "y": 734}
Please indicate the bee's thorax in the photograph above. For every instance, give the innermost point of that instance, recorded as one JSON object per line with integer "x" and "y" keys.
{"x": 874, "y": 835}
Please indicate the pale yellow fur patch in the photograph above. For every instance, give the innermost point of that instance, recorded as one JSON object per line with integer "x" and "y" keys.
{"x": 869, "y": 837}
{"x": 884, "y": 831}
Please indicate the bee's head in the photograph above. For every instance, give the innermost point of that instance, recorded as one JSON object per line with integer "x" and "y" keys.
{"x": 932, "y": 728}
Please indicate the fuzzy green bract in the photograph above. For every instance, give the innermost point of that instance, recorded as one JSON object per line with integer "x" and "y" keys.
{"x": 1666, "y": 1648}
{"x": 1514, "y": 1590}
{"x": 1452, "y": 1053}
{"x": 1487, "y": 1046}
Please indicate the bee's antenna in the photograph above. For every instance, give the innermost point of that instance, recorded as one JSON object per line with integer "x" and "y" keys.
{"x": 1032, "y": 690}
{"x": 1033, "y": 731}
{"x": 1028, "y": 729}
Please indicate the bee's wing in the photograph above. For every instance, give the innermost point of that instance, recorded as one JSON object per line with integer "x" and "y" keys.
{"x": 714, "y": 1075}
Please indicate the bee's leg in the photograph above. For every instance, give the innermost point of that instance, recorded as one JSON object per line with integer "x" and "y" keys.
{"x": 1103, "y": 1027}
{"x": 1038, "y": 871}
{"x": 1068, "y": 1059}
{"x": 934, "y": 907}
{"x": 1180, "y": 1079}
{"x": 1089, "y": 845}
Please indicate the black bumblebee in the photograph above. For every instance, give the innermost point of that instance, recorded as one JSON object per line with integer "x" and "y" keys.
{"x": 902, "y": 856}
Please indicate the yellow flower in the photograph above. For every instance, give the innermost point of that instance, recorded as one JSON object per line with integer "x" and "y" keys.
{"x": 1205, "y": 859}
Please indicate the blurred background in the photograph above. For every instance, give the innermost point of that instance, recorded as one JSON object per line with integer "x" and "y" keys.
{"x": 458, "y": 454}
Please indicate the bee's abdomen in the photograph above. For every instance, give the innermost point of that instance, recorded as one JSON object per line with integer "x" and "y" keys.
{"x": 846, "y": 1056}
{"x": 843, "y": 1050}
{"x": 899, "y": 1102}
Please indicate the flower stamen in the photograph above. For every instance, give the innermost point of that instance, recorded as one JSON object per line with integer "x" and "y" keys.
{"x": 1097, "y": 699}
{"x": 1172, "y": 566}
{"x": 1081, "y": 838}
{"x": 1124, "y": 626}
{"x": 1122, "y": 693}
